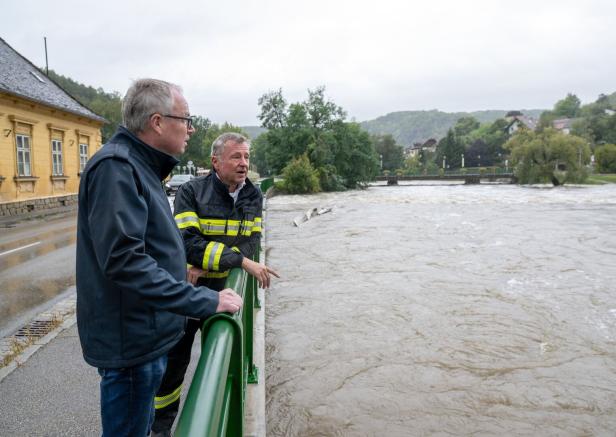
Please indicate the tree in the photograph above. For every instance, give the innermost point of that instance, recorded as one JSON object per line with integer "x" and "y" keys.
{"x": 449, "y": 151}
{"x": 322, "y": 112}
{"x": 198, "y": 150}
{"x": 341, "y": 153}
{"x": 478, "y": 154}
{"x": 391, "y": 154}
{"x": 568, "y": 107}
{"x": 273, "y": 109}
{"x": 605, "y": 158}
{"x": 464, "y": 126}
{"x": 548, "y": 156}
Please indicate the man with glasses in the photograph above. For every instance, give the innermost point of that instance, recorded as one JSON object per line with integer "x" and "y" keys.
{"x": 132, "y": 297}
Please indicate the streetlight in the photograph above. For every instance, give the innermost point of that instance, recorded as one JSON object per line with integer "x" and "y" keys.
{"x": 462, "y": 155}
{"x": 444, "y": 159}
{"x": 478, "y": 161}
{"x": 381, "y": 162}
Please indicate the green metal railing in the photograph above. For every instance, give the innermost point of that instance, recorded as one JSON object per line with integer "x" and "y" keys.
{"x": 214, "y": 405}
{"x": 266, "y": 184}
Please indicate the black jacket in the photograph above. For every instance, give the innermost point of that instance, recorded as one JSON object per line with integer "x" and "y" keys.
{"x": 218, "y": 233}
{"x": 132, "y": 297}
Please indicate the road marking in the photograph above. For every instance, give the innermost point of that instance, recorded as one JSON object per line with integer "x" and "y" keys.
{"x": 19, "y": 248}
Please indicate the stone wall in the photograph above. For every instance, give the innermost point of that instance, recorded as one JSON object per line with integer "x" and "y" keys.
{"x": 41, "y": 206}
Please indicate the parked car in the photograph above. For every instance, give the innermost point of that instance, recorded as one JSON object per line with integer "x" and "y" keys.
{"x": 174, "y": 183}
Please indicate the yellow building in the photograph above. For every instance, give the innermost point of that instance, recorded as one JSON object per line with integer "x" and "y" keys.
{"x": 46, "y": 136}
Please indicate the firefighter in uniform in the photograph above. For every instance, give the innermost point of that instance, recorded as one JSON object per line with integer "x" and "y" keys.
{"x": 219, "y": 217}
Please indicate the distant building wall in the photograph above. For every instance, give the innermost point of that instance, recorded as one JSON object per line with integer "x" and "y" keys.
{"x": 42, "y": 149}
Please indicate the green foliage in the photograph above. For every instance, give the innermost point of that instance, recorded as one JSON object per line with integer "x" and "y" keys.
{"x": 342, "y": 152}
{"x": 465, "y": 125}
{"x": 329, "y": 180}
{"x": 273, "y": 109}
{"x": 391, "y": 153}
{"x": 605, "y": 158}
{"x": 569, "y": 107}
{"x": 449, "y": 150}
{"x": 600, "y": 179}
{"x": 548, "y": 156}
{"x": 107, "y": 105}
{"x": 300, "y": 177}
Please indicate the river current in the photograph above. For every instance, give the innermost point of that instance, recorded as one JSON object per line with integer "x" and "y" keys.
{"x": 447, "y": 310}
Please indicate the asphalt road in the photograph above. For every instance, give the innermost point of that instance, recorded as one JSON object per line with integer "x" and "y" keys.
{"x": 55, "y": 393}
{"x": 37, "y": 265}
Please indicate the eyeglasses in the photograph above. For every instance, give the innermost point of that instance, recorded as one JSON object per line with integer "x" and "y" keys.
{"x": 188, "y": 120}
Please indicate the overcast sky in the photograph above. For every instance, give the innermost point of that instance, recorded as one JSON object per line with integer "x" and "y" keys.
{"x": 373, "y": 57}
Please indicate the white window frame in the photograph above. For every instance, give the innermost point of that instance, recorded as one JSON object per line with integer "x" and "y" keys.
{"x": 56, "y": 158}
{"x": 24, "y": 155}
{"x": 83, "y": 156}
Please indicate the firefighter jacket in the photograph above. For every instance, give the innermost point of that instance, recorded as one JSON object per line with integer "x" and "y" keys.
{"x": 132, "y": 297}
{"x": 217, "y": 232}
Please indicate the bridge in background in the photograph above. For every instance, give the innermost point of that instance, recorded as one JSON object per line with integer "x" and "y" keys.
{"x": 496, "y": 175}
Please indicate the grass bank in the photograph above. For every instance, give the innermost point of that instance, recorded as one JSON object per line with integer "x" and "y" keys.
{"x": 599, "y": 179}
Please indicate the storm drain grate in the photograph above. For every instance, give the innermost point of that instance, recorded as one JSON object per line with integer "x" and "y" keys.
{"x": 36, "y": 329}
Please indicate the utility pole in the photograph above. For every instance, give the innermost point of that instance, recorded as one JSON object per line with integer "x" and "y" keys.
{"x": 46, "y": 61}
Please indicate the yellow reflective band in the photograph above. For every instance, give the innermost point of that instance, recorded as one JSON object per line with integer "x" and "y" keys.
{"x": 165, "y": 401}
{"x": 257, "y": 225}
{"x": 235, "y": 249}
{"x": 216, "y": 274}
{"x": 206, "y": 255}
{"x": 231, "y": 228}
{"x": 186, "y": 220}
{"x": 217, "y": 255}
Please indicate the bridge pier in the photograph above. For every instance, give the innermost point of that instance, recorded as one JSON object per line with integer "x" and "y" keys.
{"x": 392, "y": 180}
{"x": 472, "y": 180}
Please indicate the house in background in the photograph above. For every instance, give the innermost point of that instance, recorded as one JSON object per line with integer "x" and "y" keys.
{"x": 518, "y": 120}
{"x": 417, "y": 148}
{"x": 46, "y": 136}
{"x": 564, "y": 124}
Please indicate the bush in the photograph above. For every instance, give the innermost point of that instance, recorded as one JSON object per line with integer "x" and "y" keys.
{"x": 605, "y": 157}
{"x": 329, "y": 180}
{"x": 300, "y": 177}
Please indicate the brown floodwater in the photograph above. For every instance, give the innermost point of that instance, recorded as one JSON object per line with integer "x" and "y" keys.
{"x": 443, "y": 310}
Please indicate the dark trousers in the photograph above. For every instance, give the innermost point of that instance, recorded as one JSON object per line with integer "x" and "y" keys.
{"x": 167, "y": 400}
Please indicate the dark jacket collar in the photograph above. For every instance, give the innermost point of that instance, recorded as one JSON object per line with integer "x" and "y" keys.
{"x": 221, "y": 186}
{"x": 161, "y": 162}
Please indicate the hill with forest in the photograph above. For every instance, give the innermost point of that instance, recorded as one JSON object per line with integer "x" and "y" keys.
{"x": 408, "y": 127}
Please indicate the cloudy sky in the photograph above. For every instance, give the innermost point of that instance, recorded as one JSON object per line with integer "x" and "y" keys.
{"x": 373, "y": 57}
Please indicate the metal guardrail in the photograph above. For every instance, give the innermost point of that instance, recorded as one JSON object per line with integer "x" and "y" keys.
{"x": 266, "y": 184}
{"x": 214, "y": 404}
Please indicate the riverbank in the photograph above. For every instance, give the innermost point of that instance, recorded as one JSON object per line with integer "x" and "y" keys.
{"x": 599, "y": 179}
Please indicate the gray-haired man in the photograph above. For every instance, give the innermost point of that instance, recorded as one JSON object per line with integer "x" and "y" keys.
{"x": 132, "y": 297}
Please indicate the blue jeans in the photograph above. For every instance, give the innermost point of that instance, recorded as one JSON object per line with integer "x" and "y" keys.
{"x": 127, "y": 398}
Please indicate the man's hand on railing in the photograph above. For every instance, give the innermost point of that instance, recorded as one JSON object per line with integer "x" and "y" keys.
{"x": 229, "y": 301}
{"x": 259, "y": 271}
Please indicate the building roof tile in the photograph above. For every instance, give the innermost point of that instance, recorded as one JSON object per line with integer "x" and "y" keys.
{"x": 19, "y": 77}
